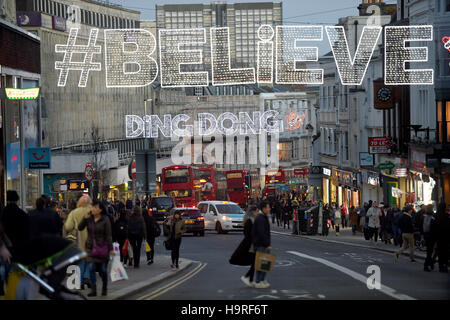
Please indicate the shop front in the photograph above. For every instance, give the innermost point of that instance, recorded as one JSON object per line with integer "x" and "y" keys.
{"x": 420, "y": 184}
{"x": 371, "y": 186}
{"x": 326, "y": 185}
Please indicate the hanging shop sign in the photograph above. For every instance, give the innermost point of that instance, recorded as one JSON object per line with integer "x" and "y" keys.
{"x": 366, "y": 159}
{"x": 22, "y": 94}
{"x": 39, "y": 158}
{"x": 301, "y": 172}
{"x": 89, "y": 172}
{"x": 418, "y": 160}
{"x": 396, "y": 193}
{"x": 373, "y": 178}
{"x": 386, "y": 165}
{"x": 384, "y": 96}
{"x": 326, "y": 172}
{"x": 401, "y": 172}
{"x": 380, "y": 145}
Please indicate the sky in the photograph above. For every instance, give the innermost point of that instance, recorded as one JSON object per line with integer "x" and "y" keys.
{"x": 294, "y": 11}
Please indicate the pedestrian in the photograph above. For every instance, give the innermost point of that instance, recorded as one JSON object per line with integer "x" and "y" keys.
{"x": 98, "y": 244}
{"x": 261, "y": 240}
{"x": 83, "y": 206}
{"x": 286, "y": 214}
{"x": 153, "y": 231}
{"x": 373, "y": 215}
{"x": 333, "y": 214}
{"x": 353, "y": 216}
{"x": 417, "y": 218}
{"x": 442, "y": 237}
{"x": 295, "y": 222}
{"x": 362, "y": 214}
{"x": 344, "y": 215}
{"x": 121, "y": 230}
{"x": 396, "y": 232}
{"x": 176, "y": 230}
{"x": 429, "y": 234}
{"x": 137, "y": 232}
{"x": 278, "y": 211}
{"x": 337, "y": 220}
{"x": 407, "y": 228}
{"x": 326, "y": 223}
{"x": 15, "y": 224}
{"x": 44, "y": 220}
{"x": 244, "y": 254}
{"x": 386, "y": 224}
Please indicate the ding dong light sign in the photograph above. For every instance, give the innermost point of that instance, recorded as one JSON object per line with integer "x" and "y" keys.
{"x": 278, "y": 52}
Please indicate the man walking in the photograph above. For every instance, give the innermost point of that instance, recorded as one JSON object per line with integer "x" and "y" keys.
{"x": 407, "y": 228}
{"x": 261, "y": 240}
{"x": 374, "y": 214}
{"x": 429, "y": 233}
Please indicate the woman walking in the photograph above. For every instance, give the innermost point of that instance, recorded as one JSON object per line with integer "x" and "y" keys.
{"x": 98, "y": 244}
{"x": 176, "y": 230}
{"x": 245, "y": 254}
{"x": 136, "y": 234}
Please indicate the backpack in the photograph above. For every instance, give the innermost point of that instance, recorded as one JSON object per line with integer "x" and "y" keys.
{"x": 135, "y": 227}
{"x": 427, "y": 221}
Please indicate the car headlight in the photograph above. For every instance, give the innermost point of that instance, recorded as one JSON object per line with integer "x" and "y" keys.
{"x": 225, "y": 218}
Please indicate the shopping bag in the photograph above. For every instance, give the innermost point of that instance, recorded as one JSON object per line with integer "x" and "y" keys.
{"x": 116, "y": 249}
{"x": 264, "y": 261}
{"x": 117, "y": 270}
{"x": 125, "y": 248}
{"x": 147, "y": 247}
{"x": 130, "y": 250}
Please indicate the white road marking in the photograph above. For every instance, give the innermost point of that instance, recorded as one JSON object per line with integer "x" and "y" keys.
{"x": 385, "y": 289}
{"x": 274, "y": 291}
{"x": 321, "y": 296}
{"x": 265, "y": 296}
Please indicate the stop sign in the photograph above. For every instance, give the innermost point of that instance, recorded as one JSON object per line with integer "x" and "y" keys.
{"x": 132, "y": 170}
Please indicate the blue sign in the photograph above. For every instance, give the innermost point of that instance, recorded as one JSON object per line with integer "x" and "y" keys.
{"x": 13, "y": 160}
{"x": 39, "y": 158}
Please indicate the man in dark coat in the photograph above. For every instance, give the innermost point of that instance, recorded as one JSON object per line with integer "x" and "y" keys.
{"x": 44, "y": 220}
{"x": 261, "y": 240}
{"x": 151, "y": 226}
{"x": 15, "y": 223}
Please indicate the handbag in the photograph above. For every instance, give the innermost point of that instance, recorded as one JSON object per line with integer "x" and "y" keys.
{"x": 168, "y": 244}
{"x": 157, "y": 230}
{"x": 99, "y": 251}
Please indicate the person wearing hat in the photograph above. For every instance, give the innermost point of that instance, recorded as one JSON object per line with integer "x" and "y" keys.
{"x": 15, "y": 222}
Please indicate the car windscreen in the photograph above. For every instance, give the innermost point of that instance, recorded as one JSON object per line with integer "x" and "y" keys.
{"x": 163, "y": 202}
{"x": 190, "y": 214}
{"x": 229, "y": 209}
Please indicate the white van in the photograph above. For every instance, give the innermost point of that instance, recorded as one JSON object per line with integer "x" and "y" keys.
{"x": 222, "y": 216}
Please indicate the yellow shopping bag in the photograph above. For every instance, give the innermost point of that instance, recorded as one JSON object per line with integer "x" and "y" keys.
{"x": 13, "y": 282}
{"x": 147, "y": 247}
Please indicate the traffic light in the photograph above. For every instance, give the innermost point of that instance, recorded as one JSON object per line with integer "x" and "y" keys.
{"x": 248, "y": 181}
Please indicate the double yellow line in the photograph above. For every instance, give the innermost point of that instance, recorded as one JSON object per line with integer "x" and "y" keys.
{"x": 173, "y": 284}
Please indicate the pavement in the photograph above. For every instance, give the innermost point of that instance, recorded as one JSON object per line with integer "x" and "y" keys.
{"x": 347, "y": 238}
{"x": 141, "y": 278}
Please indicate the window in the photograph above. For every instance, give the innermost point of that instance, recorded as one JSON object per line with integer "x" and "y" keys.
{"x": 447, "y": 119}
{"x": 447, "y": 5}
{"x": 439, "y": 119}
{"x": 346, "y": 146}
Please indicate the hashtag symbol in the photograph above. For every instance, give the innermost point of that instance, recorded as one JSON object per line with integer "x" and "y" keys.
{"x": 70, "y": 48}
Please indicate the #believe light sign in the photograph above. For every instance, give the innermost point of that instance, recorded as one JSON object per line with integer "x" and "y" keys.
{"x": 128, "y": 60}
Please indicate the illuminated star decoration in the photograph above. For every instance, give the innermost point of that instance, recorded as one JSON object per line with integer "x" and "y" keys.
{"x": 294, "y": 120}
{"x": 446, "y": 41}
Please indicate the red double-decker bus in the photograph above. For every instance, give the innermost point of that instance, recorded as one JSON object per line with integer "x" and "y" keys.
{"x": 182, "y": 184}
{"x": 217, "y": 190}
{"x": 274, "y": 177}
{"x": 238, "y": 185}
